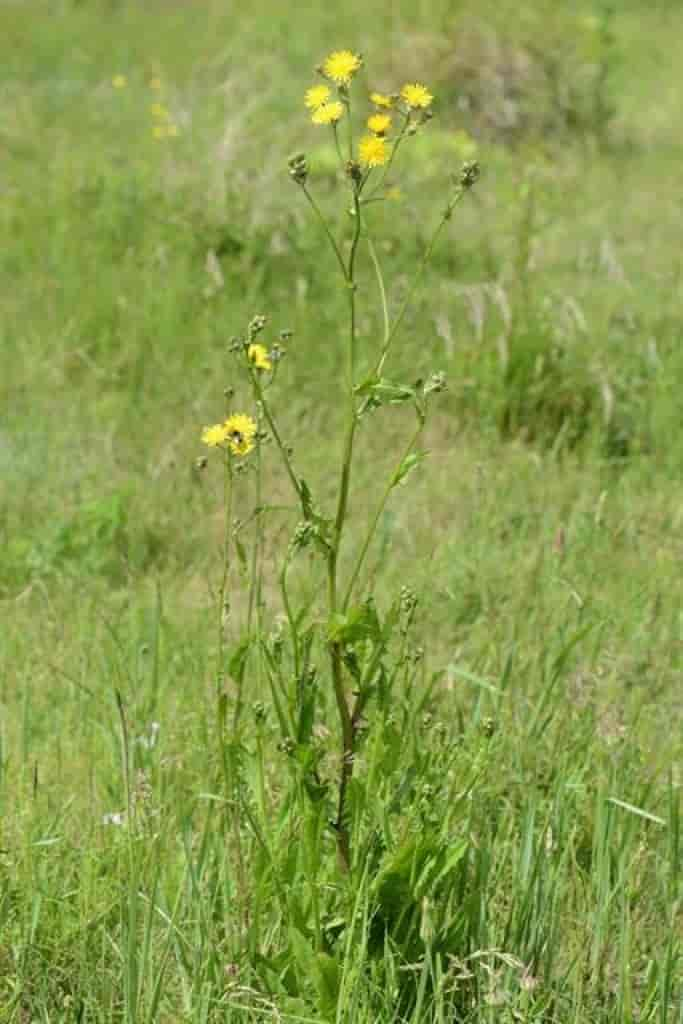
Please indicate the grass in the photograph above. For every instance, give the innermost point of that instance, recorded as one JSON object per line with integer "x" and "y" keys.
{"x": 516, "y": 802}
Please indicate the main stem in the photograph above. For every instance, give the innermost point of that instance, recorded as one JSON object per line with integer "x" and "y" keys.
{"x": 226, "y": 751}
{"x": 345, "y": 717}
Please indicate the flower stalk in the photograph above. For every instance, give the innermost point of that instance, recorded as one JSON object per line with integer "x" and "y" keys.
{"x": 353, "y": 663}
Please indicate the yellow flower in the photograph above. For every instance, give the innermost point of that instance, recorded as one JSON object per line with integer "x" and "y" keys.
{"x": 119, "y": 81}
{"x": 372, "y": 151}
{"x": 258, "y": 355}
{"x": 160, "y": 111}
{"x": 380, "y": 100}
{"x": 417, "y": 96}
{"x": 379, "y": 124}
{"x": 240, "y": 431}
{"x": 328, "y": 113}
{"x": 214, "y": 436}
{"x": 316, "y": 96}
{"x": 341, "y": 66}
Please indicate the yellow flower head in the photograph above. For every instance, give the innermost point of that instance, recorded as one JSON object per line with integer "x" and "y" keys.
{"x": 316, "y": 96}
{"x": 258, "y": 355}
{"x": 380, "y": 100}
{"x": 119, "y": 81}
{"x": 417, "y": 96}
{"x": 341, "y": 66}
{"x": 240, "y": 431}
{"x": 328, "y": 113}
{"x": 372, "y": 151}
{"x": 379, "y": 124}
{"x": 214, "y": 436}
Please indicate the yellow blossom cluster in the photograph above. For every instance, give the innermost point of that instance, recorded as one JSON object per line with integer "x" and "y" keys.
{"x": 374, "y": 149}
{"x": 237, "y": 433}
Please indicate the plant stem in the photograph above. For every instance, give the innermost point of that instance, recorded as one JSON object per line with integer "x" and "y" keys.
{"x": 347, "y": 728}
{"x": 261, "y": 399}
{"x": 375, "y": 520}
{"x": 417, "y": 279}
{"x": 254, "y": 573}
{"x": 227, "y": 512}
{"x": 227, "y": 748}
{"x": 338, "y": 146}
{"x": 382, "y": 290}
{"x": 326, "y": 228}
{"x": 290, "y": 616}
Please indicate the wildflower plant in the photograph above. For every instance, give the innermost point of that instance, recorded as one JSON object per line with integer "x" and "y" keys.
{"x": 361, "y": 653}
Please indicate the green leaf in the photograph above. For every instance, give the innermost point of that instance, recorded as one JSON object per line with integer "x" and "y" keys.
{"x": 380, "y": 391}
{"x": 407, "y": 466}
{"x": 241, "y": 552}
{"x": 359, "y": 623}
{"x": 306, "y": 499}
{"x": 306, "y": 694}
{"x": 326, "y": 976}
{"x": 238, "y": 659}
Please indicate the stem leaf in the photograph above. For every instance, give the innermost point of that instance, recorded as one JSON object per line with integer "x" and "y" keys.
{"x": 407, "y": 466}
{"x": 379, "y": 391}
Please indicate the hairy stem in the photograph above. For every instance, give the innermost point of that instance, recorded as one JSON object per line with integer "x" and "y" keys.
{"x": 347, "y": 729}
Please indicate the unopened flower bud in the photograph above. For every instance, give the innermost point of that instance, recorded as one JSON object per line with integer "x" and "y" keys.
{"x": 354, "y": 172}
{"x": 256, "y": 325}
{"x": 408, "y": 600}
{"x": 434, "y": 384}
{"x": 469, "y": 173}
{"x": 298, "y": 168}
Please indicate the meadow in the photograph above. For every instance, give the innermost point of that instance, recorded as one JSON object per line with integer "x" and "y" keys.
{"x": 173, "y": 844}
